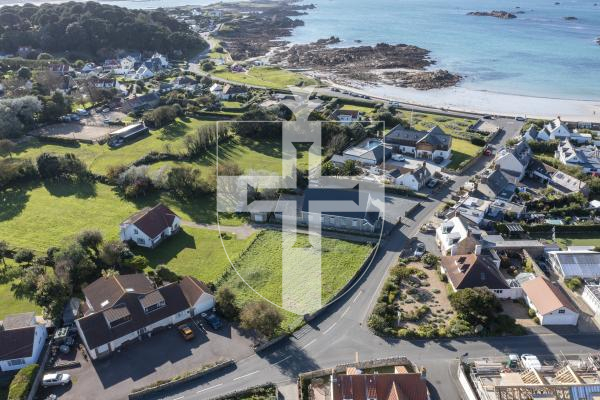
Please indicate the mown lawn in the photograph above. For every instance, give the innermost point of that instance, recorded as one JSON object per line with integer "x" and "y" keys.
{"x": 39, "y": 217}
{"x": 362, "y": 109}
{"x": 588, "y": 239}
{"x": 261, "y": 267}
{"x": 462, "y": 150}
{"x": 454, "y": 126}
{"x": 100, "y": 157}
{"x": 270, "y": 77}
{"x": 197, "y": 252}
{"x": 10, "y": 305}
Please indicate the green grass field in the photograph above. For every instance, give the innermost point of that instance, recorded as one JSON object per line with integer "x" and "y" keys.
{"x": 269, "y": 77}
{"x": 100, "y": 157}
{"x": 565, "y": 241}
{"x": 42, "y": 216}
{"x": 454, "y": 126}
{"x": 10, "y": 305}
{"x": 363, "y": 109}
{"x": 197, "y": 252}
{"x": 249, "y": 154}
{"x": 261, "y": 267}
{"x": 462, "y": 150}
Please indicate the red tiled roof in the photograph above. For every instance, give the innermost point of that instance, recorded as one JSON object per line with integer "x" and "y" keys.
{"x": 380, "y": 387}
{"x": 153, "y": 221}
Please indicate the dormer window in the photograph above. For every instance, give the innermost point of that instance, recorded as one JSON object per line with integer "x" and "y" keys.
{"x": 154, "y": 307}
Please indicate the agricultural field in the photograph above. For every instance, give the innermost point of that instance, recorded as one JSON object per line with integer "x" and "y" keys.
{"x": 100, "y": 157}
{"x": 462, "y": 150}
{"x": 269, "y": 77}
{"x": 261, "y": 267}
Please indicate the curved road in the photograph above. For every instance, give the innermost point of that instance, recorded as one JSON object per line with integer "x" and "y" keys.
{"x": 340, "y": 335}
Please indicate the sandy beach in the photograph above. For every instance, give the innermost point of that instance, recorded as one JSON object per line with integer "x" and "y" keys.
{"x": 468, "y": 100}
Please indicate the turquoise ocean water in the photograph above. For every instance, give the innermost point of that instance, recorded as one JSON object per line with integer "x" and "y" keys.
{"x": 539, "y": 53}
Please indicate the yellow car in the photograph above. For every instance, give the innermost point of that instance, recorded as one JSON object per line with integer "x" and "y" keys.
{"x": 186, "y": 332}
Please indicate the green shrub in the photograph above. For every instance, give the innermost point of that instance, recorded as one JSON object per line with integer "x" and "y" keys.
{"x": 536, "y": 320}
{"x": 531, "y": 312}
{"x": 574, "y": 283}
{"x": 21, "y": 383}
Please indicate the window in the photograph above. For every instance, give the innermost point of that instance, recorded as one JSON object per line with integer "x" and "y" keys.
{"x": 120, "y": 321}
{"x": 18, "y": 361}
{"x": 136, "y": 231}
{"x": 561, "y": 311}
{"x": 154, "y": 307}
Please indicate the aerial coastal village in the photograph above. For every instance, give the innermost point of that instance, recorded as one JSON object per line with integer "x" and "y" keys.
{"x": 172, "y": 228}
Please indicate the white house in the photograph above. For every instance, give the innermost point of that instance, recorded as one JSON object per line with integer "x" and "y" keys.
{"x": 150, "y": 226}
{"x": 473, "y": 209}
{"x": 22, "y": 339}
{"x": 514, "y": 160}
{"x": 433, "y": 144}
{"x": 570, "y": 263}
{"x": 370, "y": 152}
{"x": 413, "y": 179}
{"x": 587, "y": 157}
{"x": 450, "y": 233}
{"x": 550, "y": 303}
{"x": 474, "y": 270}
{"x": 533, "y": 134}
{"x": 591, "y": 296}
{"x": 143, "y": 72}
{"x": 124, "y": 308}
{"x": 347, "y": 116}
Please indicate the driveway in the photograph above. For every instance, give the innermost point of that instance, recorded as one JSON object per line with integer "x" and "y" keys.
{"x": 162, "y": 356}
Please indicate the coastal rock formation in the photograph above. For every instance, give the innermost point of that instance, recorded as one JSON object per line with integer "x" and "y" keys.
{"x": 344, "y": 60}
{"x": 328, "y": 41}
{"x": 259, "y": 30}
{"x": 424, "y": 80}
{"x": 496, "y": 14}
{"x": 570, "y": 18}
{"x": 598, "y": 40}
{"x": 368, "y": 64}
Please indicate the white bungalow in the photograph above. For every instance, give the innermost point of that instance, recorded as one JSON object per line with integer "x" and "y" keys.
{"x": 150, "y": 226}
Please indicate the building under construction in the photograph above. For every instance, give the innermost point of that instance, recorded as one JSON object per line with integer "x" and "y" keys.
{"x": 570, "y": 378}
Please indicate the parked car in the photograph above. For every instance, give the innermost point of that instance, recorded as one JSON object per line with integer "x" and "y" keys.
{"x": 419, "y": 250}
{"x": 65, "y": 118}
{"x": 488, "y": 117}
{"x": 518, "y": 118}
{"x": 106, "y": 110}
{"x": 83, "y": 112}
{"x": 398, "y": 157}
{"x": 212, "y": 320}
{"x": 432, "y": 183}
{"x": 55, "y": 379}
{"x": 186, "y": 332}
{"x": 530, "y": 361}
{"x": 427, "y": 227}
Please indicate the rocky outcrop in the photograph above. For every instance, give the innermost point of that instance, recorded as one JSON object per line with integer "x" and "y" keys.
{"x": 598, "y": 40}
{"x": 259, "y": 30}
{"x": 570, "y": 18}
{"x": 328, "y": 41}
{"x": 424, "y": 80}
{"x": 495, "y": 14}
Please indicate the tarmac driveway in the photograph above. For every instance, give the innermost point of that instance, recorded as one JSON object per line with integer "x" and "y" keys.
{"x": 162, "y": 356}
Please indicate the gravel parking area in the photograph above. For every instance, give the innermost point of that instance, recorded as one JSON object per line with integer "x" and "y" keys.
{"x": 74, "y": 130}
{"x": 162, "y": 356}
